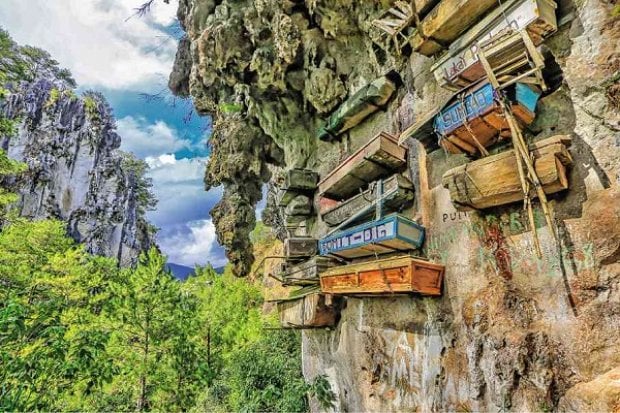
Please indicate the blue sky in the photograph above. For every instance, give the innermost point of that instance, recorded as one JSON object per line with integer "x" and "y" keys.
{"x": 124, "y": 58}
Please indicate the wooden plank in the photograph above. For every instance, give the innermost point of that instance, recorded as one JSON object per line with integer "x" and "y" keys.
{"x": 392, "y": 233}
{"x": 446, "y": 22}
{"x": 310, "y": 311}
{"x": 460, "y": 65}
{"x": 380, "y": 157}
{"x": 300, "y": 247}
{"x": 494, "y": 180}
{"x": 395, "y": 275}
{"x": 399, "y": 188}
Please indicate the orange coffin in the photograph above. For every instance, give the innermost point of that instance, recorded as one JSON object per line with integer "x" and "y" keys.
{"x": 396, "y": 275}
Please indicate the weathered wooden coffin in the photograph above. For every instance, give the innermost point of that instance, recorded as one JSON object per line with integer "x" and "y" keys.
{"x": 475, "y": 115}
{"x": 307, "y": 272}
{"x": 309, "y": 311}
{"x": 358, "y": 107}
{"x": 300, "y": 247}
{"x": 494, "y": 180}
{"x": 300, "y": 205}
{"x": 446, "y": 22}
{"x": 297, "y": 181}
{"x": 379, "y": 158}
{"x": 397, "y": 194}
{"x": 460, "y": 66}
{"x": 392, "y": 233}
{"x": 387, "y": 276}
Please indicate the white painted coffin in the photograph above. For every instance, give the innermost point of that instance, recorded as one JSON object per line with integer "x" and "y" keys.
{"x": 460, "y": 66}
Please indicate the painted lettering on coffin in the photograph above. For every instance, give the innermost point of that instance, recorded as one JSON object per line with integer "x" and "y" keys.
{"x": 365, "y": 236}
{"x": 517, "y": 18}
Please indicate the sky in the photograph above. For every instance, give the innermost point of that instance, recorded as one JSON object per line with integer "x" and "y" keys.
{"x": 124, "y": 57}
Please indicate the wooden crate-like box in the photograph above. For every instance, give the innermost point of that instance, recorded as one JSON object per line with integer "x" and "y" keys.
{"x": 307, "y": 272}
{"x": 379, "y": 158}
{"x": 445, "y": 23}
{"x": 387, "y": 276}
{"x": 494, "y": 180}
{"x": 300, "y": 247}
{"x": 310, "y": 311}
{"x": 476, "y": 115}
{"x": 397, "y": 192}
{"x": 297, "y": 181}
{"x": 390, "y": 234}
{"x": 460, "y": 66}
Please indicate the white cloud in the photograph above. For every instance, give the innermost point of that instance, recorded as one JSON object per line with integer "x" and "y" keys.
{"x": 178, "y": 185}
{"x": 149, "y": 139}
{"x": 198, "y": 246}
{"x": 94, "y": 39}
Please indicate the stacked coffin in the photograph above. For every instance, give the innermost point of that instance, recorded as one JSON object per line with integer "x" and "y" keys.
{"x": 459, "y": 67}
{"x": 308, "y": 308}
{"x": 474, "y": 120}
{"x": 296, "y": 195}
{"x": 508, "y": 34}
{"x": 352, "y": 200}
{"x": 495, "y": 69}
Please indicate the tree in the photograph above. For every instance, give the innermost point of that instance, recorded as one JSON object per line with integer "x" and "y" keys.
{"x": 51, "y": 340}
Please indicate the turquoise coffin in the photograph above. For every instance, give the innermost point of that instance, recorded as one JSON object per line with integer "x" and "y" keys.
{"x": 392, "y": 233}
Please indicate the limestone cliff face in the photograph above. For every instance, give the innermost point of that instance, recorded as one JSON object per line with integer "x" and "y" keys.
{"x": 75, "y": 171}
{"x": 511, "y": 331}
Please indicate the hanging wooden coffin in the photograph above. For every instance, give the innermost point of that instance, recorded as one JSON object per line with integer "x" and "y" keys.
{"x": 494, "y": 180}
{"x": 297, "y": 181}
{"x": 307, "y": 272}
{"x": 300, "y": 205}
{"x": 445, "y": 22}
{"x": 460, "y": 66}
{"x": 381, "y": 157}
{"x": 300, "y": 247}
{"x": 310, "y": 311}
{"x": 476, "y": 116}
{"x": 392, "y": 233}
{"x": 397, "y": 193}
{"x": 387, "y": 276}
{"x": 362, "y": 104}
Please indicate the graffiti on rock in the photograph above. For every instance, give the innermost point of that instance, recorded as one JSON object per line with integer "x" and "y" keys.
{"x": 498, "y": 242}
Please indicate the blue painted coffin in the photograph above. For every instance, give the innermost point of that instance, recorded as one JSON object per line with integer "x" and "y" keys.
{"x": 392, "y": 233}
{"x": 476, "y": 113}
{"x": 526, "y": 96}
{"x": 469, "y": 107}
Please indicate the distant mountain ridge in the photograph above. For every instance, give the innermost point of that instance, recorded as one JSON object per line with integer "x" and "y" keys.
{"x": 183, "y": 272}
{"x": 180, "y": 272}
